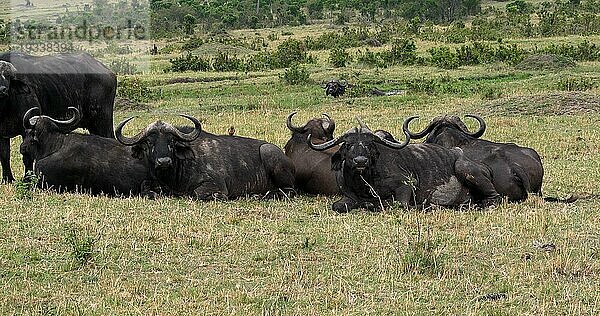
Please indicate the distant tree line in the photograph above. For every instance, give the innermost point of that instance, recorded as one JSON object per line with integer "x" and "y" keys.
{"x": 185, "y": 15}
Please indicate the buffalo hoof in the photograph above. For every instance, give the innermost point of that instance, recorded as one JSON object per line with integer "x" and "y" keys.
{"x": 341, "y": 207}
{"x": 8, "y": 179}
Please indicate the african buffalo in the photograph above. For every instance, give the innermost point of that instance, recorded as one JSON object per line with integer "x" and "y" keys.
{"x": 335, "y": 88}
{"x": 313, "y": 168}
{"x": 207, "y": 166}
{"x": 53, "y": 83}
{"x": 372, "y": 170}
{"x": 68, "y": 161}
{"x": 515, "y": 170}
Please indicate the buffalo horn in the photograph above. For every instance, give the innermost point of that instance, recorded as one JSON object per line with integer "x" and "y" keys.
{"x": 418, "y": 135}
{"x": 363, "y": 126}
{"x": 482, "y": 126}
{"x": 128, "y": 141}
{"x": 68, "y": 123}
{"x": 325, "y": 145}
{"x": 394, "y": 144}
{"x": 291, "y": 126}
{"x": 28, "y": 115}
{"x": 192, "y": 135}
{"x": 331, "y": 126}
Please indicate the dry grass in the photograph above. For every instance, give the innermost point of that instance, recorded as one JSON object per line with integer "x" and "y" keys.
{"x": 178, "y": 256}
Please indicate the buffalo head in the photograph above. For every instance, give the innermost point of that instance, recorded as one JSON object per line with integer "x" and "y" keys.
{"x": 358, "y": 151}
{"x": 161, "y": 143}
{"x": 8, "y": 73}
{"x": 335, "y": 88}
{"x": 451, "y": 125}
{"x": 319, "y": 128}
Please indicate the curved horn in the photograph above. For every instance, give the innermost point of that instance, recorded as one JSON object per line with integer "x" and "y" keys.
{"x": 128, "y": 141}
{"x": 27, "y": 124}
{"x": 362, "y": 124}
{"x": 394, "y": 144}
{"x": 291, "y": 126}
{"x": 325, "y": 145}
{"x": 68, "y": 123}
{"x": 331, "y": 128}
{"x": 418, "y": 135}
{"x": 482, "y": 126}
{"x": 192, "y": 135}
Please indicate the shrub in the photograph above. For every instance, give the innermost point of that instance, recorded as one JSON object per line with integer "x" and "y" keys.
{"x": 444, "y": 58}
{"x": 296, "y": 75}
{"x": 122, "y": 66}
{"x": 189, "y": 62}
{"x": 225, "y": 62}
{"x": 134, "y": 89}
{"x": 403, "y": 52}
{"x": 339, "y": 57}
{"x": 290, "y": 51}
{"x": 576, "y": 84}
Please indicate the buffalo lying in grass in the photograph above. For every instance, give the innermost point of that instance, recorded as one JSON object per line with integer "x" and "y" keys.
{"x": 313, "y": 168}
{"x": 205, "y": 166}
{"x": 372, "y": 170}
{"x": 68, "y": 161}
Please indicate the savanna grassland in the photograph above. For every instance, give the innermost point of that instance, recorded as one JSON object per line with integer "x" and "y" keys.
{"x": 74, "y": 254}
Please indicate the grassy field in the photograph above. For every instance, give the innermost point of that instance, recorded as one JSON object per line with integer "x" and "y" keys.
{"x": 75, "y": 254}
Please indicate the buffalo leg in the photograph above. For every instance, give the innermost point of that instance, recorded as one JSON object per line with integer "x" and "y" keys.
{"x": 209, "y": 191}
{"x": 478, "y": 179}
{"x": 345, "y": 204}
{"x": 27, "y": 162}
{"x": 7, "y": 175}
{"x": 279, "y": 167}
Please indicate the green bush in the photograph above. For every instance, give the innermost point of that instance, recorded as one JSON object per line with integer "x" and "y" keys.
{"x": 444, "y": 58}
{"x": 339, "y": 57}
{"x": 225, "y": 62}
{"x": 576, "y": 84}
{"x": 403, "y": 52}
{"x": 296, "y": 75}
{"x": 134, "y": 89}
{"x": 189, "y": 62}
{"x": 289, "y": 52}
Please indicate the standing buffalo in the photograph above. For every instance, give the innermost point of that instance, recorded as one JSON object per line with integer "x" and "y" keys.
{"x": 515, "y": 170}
{"x": 53, "y": 83}
{"x": 372, "y": 170}
{"x": 313, "y": 168}
{"x": 335, "y": 88}
{"x": 67, "y": 161}
{"x": 206, "y": 166}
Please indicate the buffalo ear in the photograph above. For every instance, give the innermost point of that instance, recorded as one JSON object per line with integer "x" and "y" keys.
{"x": 337, "y": 160}
{"x": 184, "y": 151}
{"x": 137, "y": 151}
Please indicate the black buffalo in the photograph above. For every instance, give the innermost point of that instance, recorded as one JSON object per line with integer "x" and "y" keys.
{"x": 372, "y": 170}
{"x": 207, "y": 166}
{"x": 515, "y": 170}
{"x": 313, "y": 168}
{"x": 335, "y": 88}
{"x": 53, "y": 83}
{"x": 68, "y": 161}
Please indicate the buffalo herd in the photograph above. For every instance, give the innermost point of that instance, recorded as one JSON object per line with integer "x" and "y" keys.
{"x": 44, "y": 99}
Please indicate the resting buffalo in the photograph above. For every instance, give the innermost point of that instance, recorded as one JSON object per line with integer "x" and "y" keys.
{"x": 335, "y": 88}
{"x": 372, "y": 170}
{"x": 207, "y": 166}
{"x": 67, "y": 161}
{"x": 53, "y": 83}
{"x": 515, "y": 170}
{"x": 313, "y": 168}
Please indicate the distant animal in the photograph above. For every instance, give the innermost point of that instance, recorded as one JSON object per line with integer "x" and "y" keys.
{"x": 69, "y": 161}
{"x": 207, "y": 166}
{"x": 373, "y": 171}
{"x": 335, "y": 87}
{"x": 53, "y": 83}
{"x": 231, "y": 130}
{"x": 515, "y": 170}
{"x": 313, "y": 168}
